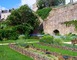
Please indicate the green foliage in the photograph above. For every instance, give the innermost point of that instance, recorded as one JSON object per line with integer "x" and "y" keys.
{"x": 20, "y": 42}
{"x": 70, "y": 45}
{"x": 21, "y": 21}
{"x": 21, "y": 37}
{"x": 43, "y": 13}
{"x": 58, "y": 2}
{"x": 27, "y": 35}
{"x": 47, "y": 39}
{"x": 58, "y": 41}
{"x": 73, "y": 22}
{"x": 41, "y": 4}
{"x": 22, "y": 15}
{"x": 51, "y": 40}
{"x": 8, "y": 54}
{"x": 69, "y": 37}
{"x": 8, "y": 34}
{"x": 34, "y": 37}
{"x": 57, "y": 50}
{"x": 24, "y": 28}
{"x": 3, "y": 25}
{"x": 47, "y": 3}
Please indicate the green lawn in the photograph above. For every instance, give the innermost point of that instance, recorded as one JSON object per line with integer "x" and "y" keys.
{"x": 8, "y": 41}
{"x": 70, "y": 45}
{"x": 57, "y": 50}
{"x": 8, "y": 54}
{"x": 23, "y": 40}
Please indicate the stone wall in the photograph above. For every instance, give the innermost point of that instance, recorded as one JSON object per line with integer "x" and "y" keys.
{"x": 59, "y": 15}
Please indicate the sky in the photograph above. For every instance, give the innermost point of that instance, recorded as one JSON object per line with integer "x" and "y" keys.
{"x": 8, "y": 4}
{"x": 29, "y": 2}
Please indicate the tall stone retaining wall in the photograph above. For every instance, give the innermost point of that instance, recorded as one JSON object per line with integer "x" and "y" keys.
{"x": 58, "y": 16}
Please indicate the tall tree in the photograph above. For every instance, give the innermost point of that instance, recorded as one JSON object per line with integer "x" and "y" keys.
{"x": 48, "y": 3}
{"x": 23, "y": 19}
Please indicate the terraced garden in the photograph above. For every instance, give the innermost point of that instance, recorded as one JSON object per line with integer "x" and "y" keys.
{"x": 57, "y": 50}
{"x": 8, "y": 54}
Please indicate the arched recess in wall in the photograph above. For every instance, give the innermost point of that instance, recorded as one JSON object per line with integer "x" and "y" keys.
{"x": 56, "y": 31}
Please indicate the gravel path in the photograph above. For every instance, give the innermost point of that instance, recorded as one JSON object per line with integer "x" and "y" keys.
{"x": 68, "y": 43}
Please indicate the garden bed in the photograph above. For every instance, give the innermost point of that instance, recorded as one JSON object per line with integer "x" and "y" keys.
{"x": 56, "y": 50}
{"x": 33, "y": 53}
{"x": 63, "y": 46}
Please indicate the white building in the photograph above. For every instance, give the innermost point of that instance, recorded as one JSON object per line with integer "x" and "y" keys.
{"x": 0, "y": 14}
{"x": 4, "y": 14}
{"x": 70, "y": 1}
{"x": 34, "y": 7}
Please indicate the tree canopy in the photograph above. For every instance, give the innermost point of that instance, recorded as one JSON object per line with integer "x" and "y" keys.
{"x": 21, "y": 21}
{"x": 47, "y": 3}
{"x": 22, "y": 15}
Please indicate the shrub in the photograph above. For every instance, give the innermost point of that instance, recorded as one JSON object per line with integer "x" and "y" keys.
{"x": 8, "y": 35}
{"x": 69, "y": 37}
{"x": 13, "y": 36}
{"x": 43, "y": 13}
{"x": 20, "y": 42}
{"x": 34, "y": 37}
{"x": 47, "y": 39}
{"x": 58, "y": 41}
{"x": 23, "y": 28}
{"x": 27, "y": 35}
{"x": 21, "y": 37}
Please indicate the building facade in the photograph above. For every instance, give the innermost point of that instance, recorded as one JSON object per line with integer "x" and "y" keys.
{"x": 34, "y": 7}
{"x": 70, "y": 1}
{"x": 4, "y": 14}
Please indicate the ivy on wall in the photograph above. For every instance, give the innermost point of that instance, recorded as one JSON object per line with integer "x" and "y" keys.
{"x": 73, "y": 22}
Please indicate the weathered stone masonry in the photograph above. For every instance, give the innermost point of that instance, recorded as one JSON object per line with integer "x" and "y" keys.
{"x": 58, "y": 16}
